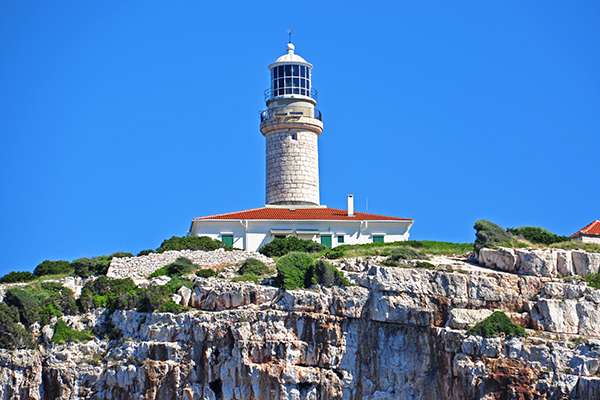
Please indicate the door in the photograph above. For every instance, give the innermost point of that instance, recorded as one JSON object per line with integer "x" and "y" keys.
{"x": 326, "y": 240}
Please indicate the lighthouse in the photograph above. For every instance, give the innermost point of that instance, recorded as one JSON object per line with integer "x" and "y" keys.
{"x": 291, "y": 126}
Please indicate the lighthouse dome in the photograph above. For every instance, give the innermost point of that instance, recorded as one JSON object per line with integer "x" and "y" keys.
{"x": 290, "y": 57}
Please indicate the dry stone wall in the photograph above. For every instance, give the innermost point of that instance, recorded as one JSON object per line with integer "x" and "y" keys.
{"x": 140, "y": 267}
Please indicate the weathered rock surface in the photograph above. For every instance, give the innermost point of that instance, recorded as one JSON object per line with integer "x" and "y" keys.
{"x": 398, "y": 334}
{"x": 546, "y": 263}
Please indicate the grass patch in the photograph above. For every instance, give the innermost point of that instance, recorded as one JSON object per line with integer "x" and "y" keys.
{"x": 421, "y": 247}
{"x": 62, "y": 334}
{"x": 574, "y": 245}
{"x": 593, "y": 280}
{"x": 496, "y": 324}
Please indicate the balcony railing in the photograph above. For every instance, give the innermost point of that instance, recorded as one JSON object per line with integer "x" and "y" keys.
{"x": 271, "y": 94}
{"x": 276, "y": 113}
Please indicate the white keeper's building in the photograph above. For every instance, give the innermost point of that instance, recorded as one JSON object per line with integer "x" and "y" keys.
{"x": 291, "y": 126}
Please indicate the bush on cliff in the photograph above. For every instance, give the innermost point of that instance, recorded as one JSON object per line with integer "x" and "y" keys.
{"x": 123, "y": 294}
{"x": 294, "y": 270}
{"x": 496, "y": 324}
{"x": 423, "y": 247}
{"x": 299, "y": 270}
{"x": 537, "y": 235}
{"x": 328, "y": 275}
{"x": 53, "y": 268}
{"x": 282, "y": 246}
{"x": 14, "y": 277}
{"x": 62, "y": 334}
{"x": 192, "y": 243}
{"x": 490, "y": 235}
{"x": 13, "y": 335}
{"x": 86, "y": 267}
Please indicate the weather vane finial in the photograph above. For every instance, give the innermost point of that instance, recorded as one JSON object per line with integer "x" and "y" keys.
{"x": 289, "y": 31}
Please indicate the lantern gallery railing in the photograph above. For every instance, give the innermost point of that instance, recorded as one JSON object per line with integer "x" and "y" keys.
{"x": 290, "y": 112}
{"x": 270, "y": 94}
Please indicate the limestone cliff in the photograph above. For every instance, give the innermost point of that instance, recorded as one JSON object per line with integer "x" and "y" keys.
{"x": 398, "y": 334}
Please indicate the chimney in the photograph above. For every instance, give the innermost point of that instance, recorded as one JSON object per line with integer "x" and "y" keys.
{"x": 351, "y": 205}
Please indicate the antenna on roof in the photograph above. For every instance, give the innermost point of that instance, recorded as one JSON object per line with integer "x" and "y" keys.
{"x": 289, "y": 32}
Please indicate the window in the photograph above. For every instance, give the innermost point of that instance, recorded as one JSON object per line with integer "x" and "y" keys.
{"x": 227, "y": 239}
{"x": 378, "y": 239}
{"x": 279, "y": 236}
{"x": 340, "y": 238}
{"x": 293, "y": 136}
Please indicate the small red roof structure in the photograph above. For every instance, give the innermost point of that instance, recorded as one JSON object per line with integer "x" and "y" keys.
{"x": 592, "y": 229}
{"x": 308, "y": 214}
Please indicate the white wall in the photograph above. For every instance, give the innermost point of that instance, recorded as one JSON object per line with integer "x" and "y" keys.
{"x": 259, "y": 231}
{"x": 587, "y": 239}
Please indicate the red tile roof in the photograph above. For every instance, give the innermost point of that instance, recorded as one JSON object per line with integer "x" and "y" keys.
{"x": 591, "y": 229}
{"x": 316, "y": 214}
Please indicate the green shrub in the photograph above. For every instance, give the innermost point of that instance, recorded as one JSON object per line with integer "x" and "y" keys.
{"x": 191, "y": 243}
{"x": 405, "y": 253}
{"x": 496, "y": 324}
{"x": 489, "y": 235}
{"x": 14, "y": 277}
{"x": 254, "y": 267}
{"x": 106, "y": 292}
{"x": 328, "y": 275}
{"x": 172, "y": 307}
{"x": 62, "y": 334}
{"x": 86, "y": 267}
{"x": 53, "y": 268}
{"x": 174, "y": 284}
{"x": 25, "y": 303}
{"x": 206, "y": 273}
{"x": 294, "y": 270}
{"x": 160, "y": 272}
{"x": 537, "y": 235}
{"x": 181, "y": 266}
{"x": 145, "y": 252}
{"x": 12, "y": 334}
{"x": 282, "y": 246}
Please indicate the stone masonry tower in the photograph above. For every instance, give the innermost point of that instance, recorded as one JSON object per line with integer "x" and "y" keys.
{"x": 291, "y": 126}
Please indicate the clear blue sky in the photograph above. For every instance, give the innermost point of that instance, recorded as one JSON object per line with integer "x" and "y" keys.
{"x": 121, "y": 121}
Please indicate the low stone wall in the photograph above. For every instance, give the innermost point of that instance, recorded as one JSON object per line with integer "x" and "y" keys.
{"x": 143, "y": 266}
{"x": 547, "y": 262}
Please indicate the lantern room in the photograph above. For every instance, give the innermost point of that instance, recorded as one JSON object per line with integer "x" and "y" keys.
{"x": 290, "y": 78}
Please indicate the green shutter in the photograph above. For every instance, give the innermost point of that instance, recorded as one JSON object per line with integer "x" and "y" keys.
{"x": 377, "y": 239}
{"x": 326, "y": 240}
{"x": 227, "y": 239}
{"x": 340, "y": 239}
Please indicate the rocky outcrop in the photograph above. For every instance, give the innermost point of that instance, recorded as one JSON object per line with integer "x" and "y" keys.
{"x": 546, "y": 262}
{"x": 398, "y": 334}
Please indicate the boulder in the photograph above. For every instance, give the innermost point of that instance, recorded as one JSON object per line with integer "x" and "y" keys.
{"x": 500, "y": 258}
{"x": 536, "y": 262}
{"x": 564, "y": 262}
{"x": 585, "y": 263}
{"x": 460, "y": 318}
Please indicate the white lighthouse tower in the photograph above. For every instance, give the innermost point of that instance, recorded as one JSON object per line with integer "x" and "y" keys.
{"x": 291, "y": 126}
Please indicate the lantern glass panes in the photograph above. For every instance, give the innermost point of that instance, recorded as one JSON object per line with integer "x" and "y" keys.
{"x": 290, "y": 79}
